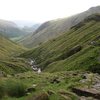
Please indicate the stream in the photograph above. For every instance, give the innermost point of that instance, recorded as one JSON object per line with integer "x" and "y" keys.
{"x": 34, "y": 66}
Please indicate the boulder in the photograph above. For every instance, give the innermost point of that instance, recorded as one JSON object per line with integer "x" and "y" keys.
{"x": 71, "y": 52}
{"x": 74, "y": 50}
{"x": 87, "y": 92}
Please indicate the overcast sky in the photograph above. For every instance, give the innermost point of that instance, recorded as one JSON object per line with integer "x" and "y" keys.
{"x": 42, "y": 10}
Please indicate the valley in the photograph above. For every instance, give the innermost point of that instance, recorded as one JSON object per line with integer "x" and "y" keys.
{"x": 73, "y": 50}
{"x": 55, "y": 62}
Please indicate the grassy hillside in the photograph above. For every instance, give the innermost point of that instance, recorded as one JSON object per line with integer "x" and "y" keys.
{"x": 8, "y": 61}
{"x": 7, "y": 47}
{"x": 54, "y": 28}
{"x": 77, "y": 49}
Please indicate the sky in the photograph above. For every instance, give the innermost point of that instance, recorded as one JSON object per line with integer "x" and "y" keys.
{"x": 42, "y": 10}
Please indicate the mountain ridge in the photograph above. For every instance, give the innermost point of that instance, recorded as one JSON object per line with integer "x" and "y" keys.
{"x": 54, "y": 28}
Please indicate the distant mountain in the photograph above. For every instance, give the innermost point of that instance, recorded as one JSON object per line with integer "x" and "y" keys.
{"x": 10, "y": 29}
{"x": 30, "y": 29}
{"x": 27, "y": 32}
{"x": 54, "y": 28}
{"x": 76, "y": 49}
{"x": 23, "y": 23}
{"x": 6, "y": 23}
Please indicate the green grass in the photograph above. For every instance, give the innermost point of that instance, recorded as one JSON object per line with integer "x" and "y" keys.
{"x": 9, "y": 48}
{"x": 14, "y": 87}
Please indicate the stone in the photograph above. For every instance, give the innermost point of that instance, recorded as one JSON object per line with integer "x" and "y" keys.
{"x": 28, "y": 94}
{"x": 74, "y": 50}
{"x": 30, "y": 89}
{"x": 2, "y": 74}
{"x": 55, "y": 80}
{"x": 83, "y": 81}
{"x": 96, "y": 86}
{"x": 42, "y": 96}
{"x": 87, "y": 92}
{"x": 84, "y": 77}
{"x": 39, "y": 71}
{"x": 34, "y": 85}
{"x": 75, "y": 74}
{"x": 68, "y": 95}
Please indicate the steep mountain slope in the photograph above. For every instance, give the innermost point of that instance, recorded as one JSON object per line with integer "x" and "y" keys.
{"x": 7, "y": 47}
{"x": 54, "y": 28}
{"x": 10, "y": 29}
{"x": 8, "y": 61}
{"x": 77, "y": 49}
